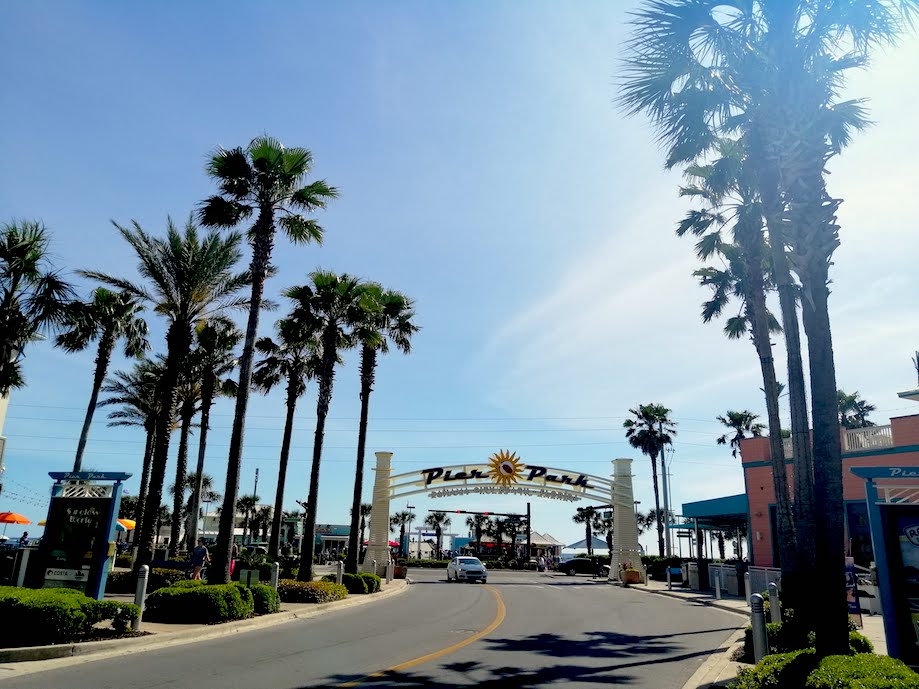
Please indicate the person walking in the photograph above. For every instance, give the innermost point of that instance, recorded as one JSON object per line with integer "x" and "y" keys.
{"x": 199, "y": 558}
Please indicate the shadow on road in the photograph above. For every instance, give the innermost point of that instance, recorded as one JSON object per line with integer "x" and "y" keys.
{"x": 616, "y": 653}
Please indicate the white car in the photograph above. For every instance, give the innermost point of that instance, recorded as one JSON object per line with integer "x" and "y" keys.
{"x": 466, "y": 569}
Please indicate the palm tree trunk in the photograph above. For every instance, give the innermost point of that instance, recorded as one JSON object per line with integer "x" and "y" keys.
{"x": 326, "y": 380}
{"x": 178, "y": 343}
{"x": 219, "y": 571}
{"x": 103, "y": 356}
{"x": 831, "y": 618}
{"x": 178, "y": 499}
{"x": 368, "y": 366}
{"x": 139, "y": 511}
{"x": 657, "y": 506}
{"x": 274, "y": 543}
{"x": 588, "y": 538}
{"x": 207, "y": 401}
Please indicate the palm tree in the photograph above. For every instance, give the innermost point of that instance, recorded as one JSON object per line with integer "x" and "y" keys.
{"x": 853, "y": 411}
{"x": 246, "y": 504}
{"x": 742, "y": 423}
{"x": 586, "y": 516}
{"x": 107, "y": 317}
{"x": 262, "y": 520}
{"x": 495, "y": 530}
{"x": 604, "y": 524}
{"x": 294, "y": 360}
{"x": 33, "y": 297}
{"x": 651, "y": 431}
{"x": 773, "y": 72}
{"x": 331, "y": 305}
{"x": 389, "y": 317}
{"x": 163, "y": 515}
{"x": 478, "y": 523}
{"x": 366, "y": 508}
{"x": 191, "y": 279}
{"x": 213, "y": 358}
{"x": 189, "y": 393}
{"x": 188, "y": 516}
{"x": 265, "y": 179}
{"x": 438, "y": 521}
{"x": 402, "y": 521}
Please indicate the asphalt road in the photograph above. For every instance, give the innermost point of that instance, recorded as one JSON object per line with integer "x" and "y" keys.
{"x": 541, "y": 630}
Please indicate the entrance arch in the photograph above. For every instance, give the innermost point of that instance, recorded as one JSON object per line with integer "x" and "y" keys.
{"x": 507, "y": 474}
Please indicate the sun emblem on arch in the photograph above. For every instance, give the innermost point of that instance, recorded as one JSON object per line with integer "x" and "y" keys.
{"x": 505, "y": 467}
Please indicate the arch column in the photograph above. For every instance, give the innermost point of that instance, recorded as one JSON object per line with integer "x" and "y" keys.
{"x": 378, "y": 545}
{"x": 625, "y": 534}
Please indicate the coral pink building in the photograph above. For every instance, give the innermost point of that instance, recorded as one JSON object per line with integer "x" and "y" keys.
{"x": 896, "y": 444}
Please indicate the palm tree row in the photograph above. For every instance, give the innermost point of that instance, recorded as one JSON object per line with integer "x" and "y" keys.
{"x": 767, "y": 76}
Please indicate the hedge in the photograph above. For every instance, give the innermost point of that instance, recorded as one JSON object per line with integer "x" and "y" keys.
{"x": 266, "y": 599}
{"x": 199, "y": 604}
{"x": 125, "y": 582}
{"x": 426, "y": 564}
{"x": 292, "y": 591}
{"x": 373, "y": 581}
{"x": 37, "y": 617}
{"x": 801, "y": 669}
{"x": 781, "y": 642}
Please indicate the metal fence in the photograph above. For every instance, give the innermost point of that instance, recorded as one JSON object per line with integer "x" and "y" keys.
{"x": 761, "y": 577}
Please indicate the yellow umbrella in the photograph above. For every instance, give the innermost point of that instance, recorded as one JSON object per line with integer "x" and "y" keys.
{"x": 42, "y": 522}
{"x": 128, "y": 524}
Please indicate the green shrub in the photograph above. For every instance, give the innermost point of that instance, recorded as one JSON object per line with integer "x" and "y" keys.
{"x": 266, "y": 599}
{"x": 119, "y": 582}
{"x": 124, "y": 561}
{"x": 781, "y": 641}
{"x": 372, "y": 580}
{"x": 779, "y": 671}
{"x": 859, "y": 643}
{"x": 330, "y": 577}
{"x": 36, "y": 617}
{"x": 162, "y": 577}
{"x": 353, "y": 583}
{"x": 189, "y": 583}
{"x": 428, "y": 564}
{"x": 865, "y": 671}
{"x": 292, "y": 591}
{"x": 199, "y": 604}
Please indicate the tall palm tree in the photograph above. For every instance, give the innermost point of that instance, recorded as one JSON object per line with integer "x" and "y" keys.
{"x": 108, "y": 316}
{"x": 163, "y": 515}
{"x": 331, "y": 305}
{"x": 387, "y": 318}
{"x": 33, "y": 296}
{"x": 512, "y": 527}
{"x": 366, "y": 508}
{"x": 604, "y": 524}
{"x": 262, "y": 519}
{"x": 853, "y": 410}
{"x": 495, "y": 530}
{"x": 743, "y": 424}
{"x": 774, "y": 72}
{"x": 213, "y": 358}
{"x": 402, "y": 521}
{"x": 189, "y": 394}
{"x": 247, "y": 505}
{"x": 264, "y": 179}
{"x": 586, "y": 516}
{"x": 650, "y": 432}
{"x": 478, "y": 524}
{"x": 438, "y": 521}
{"x": 190, "y": 279}
{"x": 293, "y": 359}
{"x": 135, "y": 392}
{"x": 188, "y": 515}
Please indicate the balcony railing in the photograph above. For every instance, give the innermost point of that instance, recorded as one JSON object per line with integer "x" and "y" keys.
{"x": 856, "y": 440}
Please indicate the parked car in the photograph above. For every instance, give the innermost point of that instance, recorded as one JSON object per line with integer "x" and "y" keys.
{"x": 466, "y": 569}
{"x": 581, "y": 565}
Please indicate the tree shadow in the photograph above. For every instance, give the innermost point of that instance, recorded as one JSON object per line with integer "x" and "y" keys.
{"x": 621, "y": 651}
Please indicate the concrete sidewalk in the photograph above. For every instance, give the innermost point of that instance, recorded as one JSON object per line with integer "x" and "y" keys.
{"x": 719, "y": 669}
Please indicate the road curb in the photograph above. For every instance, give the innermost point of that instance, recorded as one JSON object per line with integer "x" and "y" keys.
{"x": 204, "y": 633}
{"x": 717, "y": 668}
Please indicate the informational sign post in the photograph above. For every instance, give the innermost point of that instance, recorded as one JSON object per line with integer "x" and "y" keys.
{"x": 79, "y": 535}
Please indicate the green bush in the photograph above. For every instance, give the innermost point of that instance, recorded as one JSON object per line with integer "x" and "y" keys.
{"x": 372, "y": 580}
{"x": 781, "y": 641}
{"x": 859, "y": 644}
{"x": 119, "y": 582}
{"x": 330, "y": 577}
{"x": 199, "y": 604}
{"x": 428, "y": 564}
{"x": 266, "y": 599}
{"x": 162, "y": 577}
{"x": 354, "y": 583}
{"x": 124, "y": 561}
{"x": 189, "y": 583}
{"x": 292, "y": 591}
{"x": 778, "y": 671}
{"x": 864, "y": 671}
{"x": 36, "y": 617}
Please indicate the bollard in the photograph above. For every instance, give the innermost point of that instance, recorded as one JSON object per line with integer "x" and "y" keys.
{"x": 389, "y": 572}
{"x": 374, "y": 566}
{"x": 758, "y": 621}
{"x": 746, "y": 587}
{"x": 340, "y": 569}
{"x": 718, "y": 586}
{"x": 140, "y": 595}
{"x": 669, "y": 581}
{"x": 275, "y": 575}
{"x": 775, "y": 605}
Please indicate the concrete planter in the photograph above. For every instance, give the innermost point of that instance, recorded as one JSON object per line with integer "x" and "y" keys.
{"x": 631, "y": 576}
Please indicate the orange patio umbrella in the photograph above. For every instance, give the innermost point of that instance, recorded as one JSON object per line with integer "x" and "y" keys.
{"x": 7, "y": 518}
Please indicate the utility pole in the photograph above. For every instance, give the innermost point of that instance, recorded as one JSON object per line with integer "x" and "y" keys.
{"x": 255, "y": 487}
{"x": 668, "y": 550}
{"x": 529, "y": 533}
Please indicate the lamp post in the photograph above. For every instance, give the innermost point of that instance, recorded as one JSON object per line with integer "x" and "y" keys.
{"x": 410, "y": 521}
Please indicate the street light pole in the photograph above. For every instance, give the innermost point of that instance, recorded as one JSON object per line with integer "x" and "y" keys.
{"x": 411, "y": 521}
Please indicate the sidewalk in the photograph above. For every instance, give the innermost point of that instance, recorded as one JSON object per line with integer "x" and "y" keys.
{"x": 161, "y": 634}
{"x": 718, "y": 670}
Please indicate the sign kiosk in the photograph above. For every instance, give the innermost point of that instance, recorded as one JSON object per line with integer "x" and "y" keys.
{"x": 79, "y": 535}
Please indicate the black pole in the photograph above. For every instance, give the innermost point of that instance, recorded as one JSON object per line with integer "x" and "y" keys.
{"x": 529, "y": 534}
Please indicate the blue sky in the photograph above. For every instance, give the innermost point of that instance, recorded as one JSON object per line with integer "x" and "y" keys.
{"x": 484, "y": 170}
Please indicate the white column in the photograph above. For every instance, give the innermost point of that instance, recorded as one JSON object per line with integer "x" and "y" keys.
{"x": 378, "y": 546}
{"x": 625, "y": 545}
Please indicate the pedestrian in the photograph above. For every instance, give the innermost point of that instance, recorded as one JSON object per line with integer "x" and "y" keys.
{"x": 24, "y": 539}
{"x": 199, "y": 557}
{"x": 234, "y": 553}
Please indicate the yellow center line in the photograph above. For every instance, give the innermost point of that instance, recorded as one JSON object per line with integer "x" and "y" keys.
{"x": 495, "y": 623}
